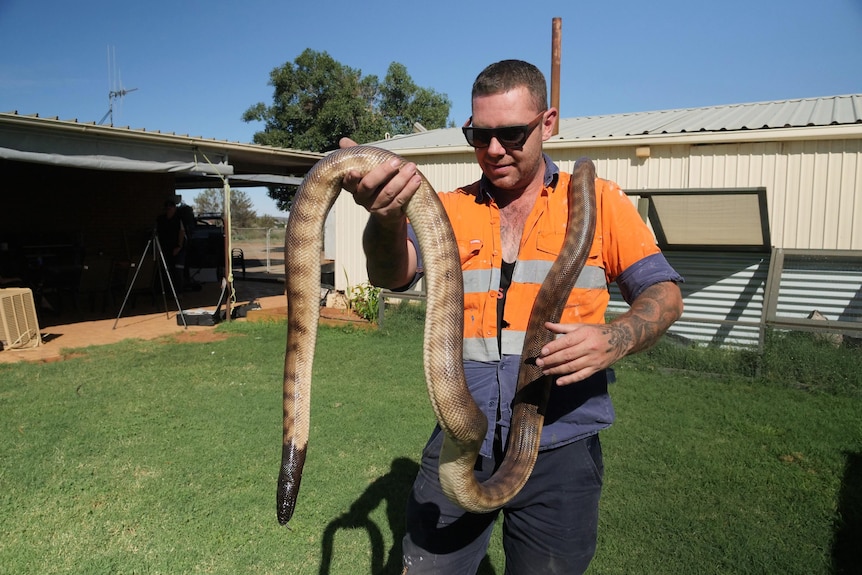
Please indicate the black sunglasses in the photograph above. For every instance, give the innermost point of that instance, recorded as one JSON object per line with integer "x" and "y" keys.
{"x": 509, "y": 136}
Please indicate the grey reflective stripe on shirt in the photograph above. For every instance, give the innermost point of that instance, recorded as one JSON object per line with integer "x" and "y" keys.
{"x": 527, "y": 272}
{"x": 512, "y": 341}
{"x": 482, "y": 349}
{"x": 534, "y": 271}
{"x": 481, "y": 281}
{"x": 485, "y": 349}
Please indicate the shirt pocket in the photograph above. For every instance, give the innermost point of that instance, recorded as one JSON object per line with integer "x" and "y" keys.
{"x": 468, "y": 250}
{"x": 550, "y": 242}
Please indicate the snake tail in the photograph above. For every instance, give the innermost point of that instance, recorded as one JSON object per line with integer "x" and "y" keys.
{"x": 292, "y": 462}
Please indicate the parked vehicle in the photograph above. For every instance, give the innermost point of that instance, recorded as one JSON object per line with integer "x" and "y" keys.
{"x": 206, "y": 245}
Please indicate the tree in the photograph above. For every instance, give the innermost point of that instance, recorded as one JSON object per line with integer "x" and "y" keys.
{"x": 209, "y": 201}
{"x": 241, "y": 212}
{"x": 403, "y": 103}
{"x": 317, "y": 101}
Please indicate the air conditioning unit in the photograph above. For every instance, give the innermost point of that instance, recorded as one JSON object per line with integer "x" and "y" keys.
{"x": 19, "y": 326}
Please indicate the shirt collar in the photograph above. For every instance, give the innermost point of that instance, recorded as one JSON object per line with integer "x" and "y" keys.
{"x": 486, "y": 188}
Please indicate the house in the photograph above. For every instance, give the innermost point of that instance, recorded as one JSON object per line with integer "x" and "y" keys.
{"x": 726, "y": 188}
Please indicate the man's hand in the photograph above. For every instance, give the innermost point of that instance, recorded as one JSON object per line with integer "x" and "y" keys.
{"x": 391, "y": 258}
{"x": 385, "y": 190}
{"x": 584, "y": 349}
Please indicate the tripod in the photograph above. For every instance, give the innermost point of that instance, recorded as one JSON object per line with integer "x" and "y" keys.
{"x": 158, "y": 255}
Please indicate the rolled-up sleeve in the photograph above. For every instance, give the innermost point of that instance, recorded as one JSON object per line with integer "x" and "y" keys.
{"x": 642, "y": 274}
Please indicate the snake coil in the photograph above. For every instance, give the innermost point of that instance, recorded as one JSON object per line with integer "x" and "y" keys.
{"x": 462, "y": 422}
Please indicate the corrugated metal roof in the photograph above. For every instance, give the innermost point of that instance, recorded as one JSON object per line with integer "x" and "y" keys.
{"x": 55, "y": 122}
{"x": 807, "y": 112}
{"x": 799, "y": 113}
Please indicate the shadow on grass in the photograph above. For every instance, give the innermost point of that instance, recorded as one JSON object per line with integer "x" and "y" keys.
{"x": 393, "y": 489}
{"x": 846, "y": 550}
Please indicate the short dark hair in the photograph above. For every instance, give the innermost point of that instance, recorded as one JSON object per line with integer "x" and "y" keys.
{"x": 507, "y": 75}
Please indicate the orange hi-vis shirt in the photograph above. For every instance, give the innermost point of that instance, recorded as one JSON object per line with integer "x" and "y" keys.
{"x": 621, "y": 239}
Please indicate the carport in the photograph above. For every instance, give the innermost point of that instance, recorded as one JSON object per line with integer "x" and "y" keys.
{"x": 75, "y": 188}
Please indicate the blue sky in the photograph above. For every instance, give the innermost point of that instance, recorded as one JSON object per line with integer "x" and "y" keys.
{"x": 197, "y": 66}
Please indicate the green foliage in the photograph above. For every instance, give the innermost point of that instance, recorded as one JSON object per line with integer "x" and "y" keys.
{"x": 364, "y": 299}
{"x": 241, "y": 207}
{"x": 317, "y": 101}
{"x": 791, "y": 359}
{"x": 209, "y": 201}
{"x": 242, "y": 214}
{"x": 670, "y": 354}
{"x": 805, "y": 360}
{"x": 403, "y": 103}
{"x": 265, "y": 221}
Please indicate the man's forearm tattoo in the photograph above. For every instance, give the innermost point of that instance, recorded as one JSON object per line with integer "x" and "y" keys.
{"x": 651, "y": 314}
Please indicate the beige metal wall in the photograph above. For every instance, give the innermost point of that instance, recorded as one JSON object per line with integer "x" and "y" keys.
{"x": 348, "y": 219}
{"x": 814, "y": 187}
{"x": 347, "y": 222}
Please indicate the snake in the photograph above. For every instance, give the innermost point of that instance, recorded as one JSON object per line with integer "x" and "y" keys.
{"x": 462, "y": 422}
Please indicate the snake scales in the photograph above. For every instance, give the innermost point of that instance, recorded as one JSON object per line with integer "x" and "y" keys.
{"x": 463, "y": 423}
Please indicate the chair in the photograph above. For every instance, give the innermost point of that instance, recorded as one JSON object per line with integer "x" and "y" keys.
{"x": 237, "y": 258}
{"x": 144, "y": 282}
{"x": 94, "y": 281}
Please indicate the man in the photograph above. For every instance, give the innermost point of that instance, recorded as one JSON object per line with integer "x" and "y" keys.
{"x": 509, "y": 226}
{"x": 172, "y": 238}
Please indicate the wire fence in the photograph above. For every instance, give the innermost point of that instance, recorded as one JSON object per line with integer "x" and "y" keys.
{"x": 262, "y": 249}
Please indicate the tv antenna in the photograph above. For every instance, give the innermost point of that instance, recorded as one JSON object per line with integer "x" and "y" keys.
{"x": 115, "y": 86}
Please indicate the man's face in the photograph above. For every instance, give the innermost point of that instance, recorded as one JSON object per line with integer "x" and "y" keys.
{"x": 513, "y": 168}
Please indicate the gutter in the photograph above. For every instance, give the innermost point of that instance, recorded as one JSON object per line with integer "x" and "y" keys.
{"x": 842, "y": 132}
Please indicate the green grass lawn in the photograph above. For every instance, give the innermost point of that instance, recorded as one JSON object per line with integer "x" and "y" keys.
{"x": 154, "y": 457}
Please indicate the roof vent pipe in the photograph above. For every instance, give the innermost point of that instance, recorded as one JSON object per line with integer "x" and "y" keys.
{"x": 556, "y": 55}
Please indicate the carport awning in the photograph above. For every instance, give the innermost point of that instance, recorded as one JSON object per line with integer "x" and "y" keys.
{"x": 194, "y": 167}
{"x": 85, "y": 149}
{"x": 194, "y": 162}
{"x": 241, "y": 180}
{"x": 265, "y": 179}
{"x": 116, "y": 163}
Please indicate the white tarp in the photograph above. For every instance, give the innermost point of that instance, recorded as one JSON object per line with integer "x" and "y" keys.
{"x": 115, "y": 163}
